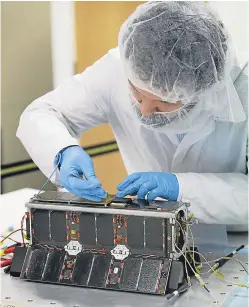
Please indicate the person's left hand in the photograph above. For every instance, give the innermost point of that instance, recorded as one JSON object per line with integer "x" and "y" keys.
{"x": 154, "y": 184}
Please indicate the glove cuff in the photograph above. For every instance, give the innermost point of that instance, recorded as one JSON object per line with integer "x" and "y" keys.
{"x": 58, "y": 157}
{"x": 175, "y": 191}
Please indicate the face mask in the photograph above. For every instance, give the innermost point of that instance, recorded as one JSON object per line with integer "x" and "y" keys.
{"x": 162, "y": 119}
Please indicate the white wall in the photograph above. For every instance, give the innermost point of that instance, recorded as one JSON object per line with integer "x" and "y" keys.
{"x": 26, "y": 74}
{"x": 235, "y": 16}
{"x": 62, "y": 40}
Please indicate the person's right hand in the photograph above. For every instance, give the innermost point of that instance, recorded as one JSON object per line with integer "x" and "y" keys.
{"x": 74, "y": 164}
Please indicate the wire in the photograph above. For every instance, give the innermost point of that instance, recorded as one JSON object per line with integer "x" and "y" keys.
{"x": 243, "y": 266}
{"x": 213, "y": 270}
{"x": 220, "y": 275}
{"x": 202, "y": 283}
{"x": 11, "y": 239}
{"x": 230, "y": 258}
{"x": 217, "y": 259}
{"x": 185, "y": 258}
{"x": 238, "y": 284}
{"x": 185, "y": 236}
{"x": 13, "y": 245}
{"x": 8, "y": 257}
{"x": 183, "y": 232}
{"x": 186, "y": 270}
{"x": 198, "y": 277}
{"x": 5, "y": 263}
{"x": 8, "y": 250}
{"x": 10, "y": 234}
{"x": 207, "y": 262}
{"x": 185, "y": 262}
{"x": 210, "y": 261}
{"x": 180, "y": 290}
{"x": 193, "y": 246}
{"x": 22, "y": 229}
{"x": 216, "y": 272}
{"x": 200, "y": 280}
{"x": 50, "y": 175}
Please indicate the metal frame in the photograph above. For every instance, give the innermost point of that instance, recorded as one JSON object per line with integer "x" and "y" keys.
{"x": 106, "y": 210}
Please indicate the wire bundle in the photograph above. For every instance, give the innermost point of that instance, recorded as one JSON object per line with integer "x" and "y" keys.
{"x": 197, "y": 266}
{"x": 8, "y": 251}
{"x": 5, "y": 263}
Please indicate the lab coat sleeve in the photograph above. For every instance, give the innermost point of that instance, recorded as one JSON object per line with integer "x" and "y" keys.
{"x": 220, "y": 198}
{"x": 217, "y": 198}
{"x": 58, "y": 119}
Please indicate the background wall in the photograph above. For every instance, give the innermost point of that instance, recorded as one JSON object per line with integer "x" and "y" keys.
{"x": 235, "y": 15}
{"x": 63, "y": 40}
{"x": 97, "y": 27}
{"x": 45, "y": 42}
{"x": 26, "y": 74}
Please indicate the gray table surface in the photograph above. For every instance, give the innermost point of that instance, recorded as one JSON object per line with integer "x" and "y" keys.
{"x": 18, "y": 293}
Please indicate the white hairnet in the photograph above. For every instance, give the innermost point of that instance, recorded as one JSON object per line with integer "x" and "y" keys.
{"x": 180, "y": 51}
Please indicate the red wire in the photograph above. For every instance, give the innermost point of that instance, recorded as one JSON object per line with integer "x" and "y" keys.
{"x": 9, "y": 250}
{"x": 5, "y": 263}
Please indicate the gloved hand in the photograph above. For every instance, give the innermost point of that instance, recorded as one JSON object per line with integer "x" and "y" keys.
{"x": 163, "y": 185}
{"x": 74, "y": 163}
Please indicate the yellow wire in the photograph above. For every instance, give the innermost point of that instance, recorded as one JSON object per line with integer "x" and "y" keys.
{"x": 217, "y": 272}
{"x": 10, "y": 234}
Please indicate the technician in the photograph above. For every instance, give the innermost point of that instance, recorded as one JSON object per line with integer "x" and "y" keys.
{"x": 177, "y": 104}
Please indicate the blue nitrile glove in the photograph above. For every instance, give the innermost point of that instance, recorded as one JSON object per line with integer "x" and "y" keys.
{"x": 163, "y": 185}
{"x": 74, "y": 163}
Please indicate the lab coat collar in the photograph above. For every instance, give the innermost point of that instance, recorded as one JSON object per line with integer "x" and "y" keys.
{"x": 190, "y": 139}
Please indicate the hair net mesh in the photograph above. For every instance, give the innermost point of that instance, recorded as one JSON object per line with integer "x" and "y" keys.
{"x": 175, "y": 50}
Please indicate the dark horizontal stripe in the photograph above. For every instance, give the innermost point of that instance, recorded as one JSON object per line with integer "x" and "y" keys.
{"x": 105, "y": 153}
{"x": 18, "y": 168}
{"x": 31, "y": 167}
{"x": 100, "y": 145}
{"x": 20, "y": 172}
{"x": 19, "y": 163}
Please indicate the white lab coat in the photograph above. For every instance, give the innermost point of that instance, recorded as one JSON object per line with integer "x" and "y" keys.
{"x": 210, "y": 166}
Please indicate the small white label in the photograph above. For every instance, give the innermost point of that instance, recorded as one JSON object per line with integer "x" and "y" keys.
{"x": 115, "y": 271}
{"x": 120, "y": 252}
{"x": 73, "y": 248}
